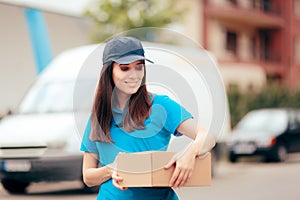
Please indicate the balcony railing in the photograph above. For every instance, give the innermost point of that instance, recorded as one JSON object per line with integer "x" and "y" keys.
{"x": 261, "y": 14}
{"x": 266, "y": 6}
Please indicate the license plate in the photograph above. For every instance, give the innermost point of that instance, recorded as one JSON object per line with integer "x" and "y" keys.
{"x": 16, "y": 165}
{"x": 244, "y": 148}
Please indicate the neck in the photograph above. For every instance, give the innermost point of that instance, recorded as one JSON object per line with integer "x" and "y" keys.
{"x": 122, "y": 100}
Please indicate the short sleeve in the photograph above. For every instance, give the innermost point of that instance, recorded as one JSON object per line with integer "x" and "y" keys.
{"x": 87, "y": 145}
{"x": 175, "y": 114}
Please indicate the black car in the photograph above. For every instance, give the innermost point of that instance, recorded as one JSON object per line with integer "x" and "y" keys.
{"x": 271, "y": 133}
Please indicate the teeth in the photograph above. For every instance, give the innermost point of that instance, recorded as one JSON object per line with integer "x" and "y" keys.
{"x": 131, "y": 82}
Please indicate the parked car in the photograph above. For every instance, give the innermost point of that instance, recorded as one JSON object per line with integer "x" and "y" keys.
{"x": 271, "y": 133}
{"x": 40, "y": 140}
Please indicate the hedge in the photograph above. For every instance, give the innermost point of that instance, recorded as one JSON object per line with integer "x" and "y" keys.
{"x": 272, "y": 95}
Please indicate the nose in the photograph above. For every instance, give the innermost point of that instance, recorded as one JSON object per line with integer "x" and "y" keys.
{"x": 133, "y": 73}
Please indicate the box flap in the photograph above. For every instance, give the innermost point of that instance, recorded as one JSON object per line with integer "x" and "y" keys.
{"x": 134, "y": 168}
{"x": 134, "y": 163}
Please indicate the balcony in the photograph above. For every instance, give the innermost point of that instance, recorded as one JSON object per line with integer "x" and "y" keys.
{"x": 254, "y": 17}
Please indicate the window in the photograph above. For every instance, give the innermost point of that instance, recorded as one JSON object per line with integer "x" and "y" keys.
{"x": 297, "y": 7}
{"x": 233, "y": 2}
{"x": 297, "y": 50}
{"x": 260, "y": 121}
{"x": 266, "y": 52}
{"x": 44, "y": 97}
{"x": 266, "y": 5}
{"x": 231, "y": 41}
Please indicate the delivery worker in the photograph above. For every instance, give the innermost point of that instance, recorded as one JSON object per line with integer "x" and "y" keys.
{"x": 125, "y": 117}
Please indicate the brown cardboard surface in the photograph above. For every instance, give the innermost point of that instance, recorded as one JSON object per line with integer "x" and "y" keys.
{"x": 146, "y": 169}
{"x": 161, "y": 176}
{"x": 135, "y": 167}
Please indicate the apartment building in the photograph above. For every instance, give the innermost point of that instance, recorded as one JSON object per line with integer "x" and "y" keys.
{"x": 254, "y": 33}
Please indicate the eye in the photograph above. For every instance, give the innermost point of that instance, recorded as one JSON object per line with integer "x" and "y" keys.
{"x": 140, "y": 67}
{"x": 124, "y": 68}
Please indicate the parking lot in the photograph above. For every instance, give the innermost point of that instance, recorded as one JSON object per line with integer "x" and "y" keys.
{"x": 248, "y": 179}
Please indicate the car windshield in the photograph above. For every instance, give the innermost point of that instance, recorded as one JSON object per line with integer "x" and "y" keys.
{"x": 264, "y": 120}
{"x": 58, "y": 96}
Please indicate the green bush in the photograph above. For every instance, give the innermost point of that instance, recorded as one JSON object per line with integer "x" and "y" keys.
{"x": 270, "y": 96}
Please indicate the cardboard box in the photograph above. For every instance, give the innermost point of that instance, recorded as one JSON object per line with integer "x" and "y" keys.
{"x": 146, "y": 169}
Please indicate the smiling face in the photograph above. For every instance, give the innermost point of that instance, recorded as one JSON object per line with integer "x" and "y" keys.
{"x": 128, "y": 77}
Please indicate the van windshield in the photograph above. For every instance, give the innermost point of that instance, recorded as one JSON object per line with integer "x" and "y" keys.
{"x": 265, "y": 120}
{"x": 58, "y": 96}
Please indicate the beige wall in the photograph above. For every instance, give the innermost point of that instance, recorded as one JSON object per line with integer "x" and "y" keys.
{"x": 17, "y": 69}
{"x": 17, "y": 65}
{"x": 66, "y": 32}
{"x": 218, "y": 2}
{"x": 193, "y": 21}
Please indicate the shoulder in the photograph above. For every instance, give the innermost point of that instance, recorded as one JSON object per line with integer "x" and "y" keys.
{"x": 164, "y": 101}
{"x": 158, "y": 98}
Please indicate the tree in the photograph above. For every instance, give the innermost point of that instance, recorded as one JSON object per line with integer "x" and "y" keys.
{"x": 115, "y": 16}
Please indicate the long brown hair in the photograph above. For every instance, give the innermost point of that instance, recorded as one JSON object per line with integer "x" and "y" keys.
{"x": 101, "y": 118}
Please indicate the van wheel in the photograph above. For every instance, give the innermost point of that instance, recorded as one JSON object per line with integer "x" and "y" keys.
{"x": 90, "y": 190}
{"x": 14, "y": 186}
{"x": 280, "y": 154}
{"x": 233, "y": 158}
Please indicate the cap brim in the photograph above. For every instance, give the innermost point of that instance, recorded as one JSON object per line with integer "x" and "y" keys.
{"x": 131, "y": 58}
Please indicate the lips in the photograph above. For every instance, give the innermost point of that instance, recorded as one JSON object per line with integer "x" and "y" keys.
{"x": 132, "y": 83}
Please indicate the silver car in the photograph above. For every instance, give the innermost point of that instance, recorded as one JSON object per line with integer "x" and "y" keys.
{"x": 271, "y": 133}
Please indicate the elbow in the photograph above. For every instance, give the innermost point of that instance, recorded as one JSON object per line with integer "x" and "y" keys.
{"x": 213, "y": 142}
{"x": 87, "y": 182}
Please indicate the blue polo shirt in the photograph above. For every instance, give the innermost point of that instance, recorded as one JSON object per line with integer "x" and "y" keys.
{"x": 166, "y": 115}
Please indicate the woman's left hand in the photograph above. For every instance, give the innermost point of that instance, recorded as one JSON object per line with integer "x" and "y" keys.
{"x": 184, "y": 164}
{"x": 117, "y": 180}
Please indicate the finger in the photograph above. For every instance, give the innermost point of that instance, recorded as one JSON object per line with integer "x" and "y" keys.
{"x": 117, "y": 180}
{"x": 184, "y": 179}
{"x": 114, "y": 182}
{"x": 174, "y": 177}
{"x": 116, "y": 176}
{"x": 117, "y": 183}
{"x": 170, "y": 163}
{"x": 179, "y": 179}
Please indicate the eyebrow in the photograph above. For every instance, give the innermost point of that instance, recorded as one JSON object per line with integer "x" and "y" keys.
{"x": 140, "y": 62}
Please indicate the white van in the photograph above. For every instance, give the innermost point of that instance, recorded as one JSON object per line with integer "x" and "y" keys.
{"x": 40, "y": 141}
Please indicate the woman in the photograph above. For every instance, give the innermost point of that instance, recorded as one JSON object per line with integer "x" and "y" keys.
{"x": 126, "y": 118}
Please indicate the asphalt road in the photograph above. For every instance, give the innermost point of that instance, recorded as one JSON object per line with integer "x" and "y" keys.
{"x": 248, "y": 179}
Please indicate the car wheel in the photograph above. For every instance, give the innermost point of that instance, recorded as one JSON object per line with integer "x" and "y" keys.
{"x": 280, "y": 154}
{"x": 14, "y": 186}
{"x": 232, "y": 158}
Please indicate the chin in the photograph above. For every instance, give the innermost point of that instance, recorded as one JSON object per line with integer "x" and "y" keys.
{"x": 132, "y": 91}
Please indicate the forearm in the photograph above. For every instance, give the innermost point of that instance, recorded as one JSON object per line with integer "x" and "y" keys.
{"x": 203, "y": 143}
{"x": 96, "y": 176}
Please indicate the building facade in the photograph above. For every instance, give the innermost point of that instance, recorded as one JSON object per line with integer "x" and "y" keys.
{"x": 257, "y": 33}
{"x": 18, "y": 69}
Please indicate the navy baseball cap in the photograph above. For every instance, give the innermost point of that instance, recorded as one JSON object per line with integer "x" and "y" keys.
{"x": 123, "y": 50}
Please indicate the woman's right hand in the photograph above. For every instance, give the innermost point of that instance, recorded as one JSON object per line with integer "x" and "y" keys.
{"x": 117, "y": 180}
